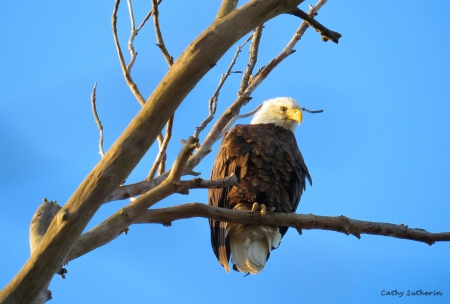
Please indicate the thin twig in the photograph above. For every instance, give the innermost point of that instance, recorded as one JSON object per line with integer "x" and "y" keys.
{"x": 97, "y": 120}
{"x": 214, "y": 98}
{"x": 254, "y": 47}
{"x": 250, "y": 113}
{"x": 134, "y": 33}
{"x": 131, "y": 40}
{"x": 150, "y": 13}
{"x": 259, "y": 107}
{"x": 159, "y": 38}
{"x": 162, "y": 150}
{"x": 126, "y": 73}
{"x": 312, "y": 111}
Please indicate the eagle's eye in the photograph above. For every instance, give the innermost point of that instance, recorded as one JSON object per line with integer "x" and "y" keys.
{"x": 283, "y": 109}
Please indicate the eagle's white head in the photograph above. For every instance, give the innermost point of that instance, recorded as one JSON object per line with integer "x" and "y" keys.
{"x": 281, "y": 111}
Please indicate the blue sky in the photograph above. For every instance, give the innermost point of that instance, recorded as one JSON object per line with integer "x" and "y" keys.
{"x": 379, "y": 152}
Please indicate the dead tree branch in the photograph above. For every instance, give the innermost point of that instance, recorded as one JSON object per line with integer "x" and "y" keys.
{"x": 159, "y": 38}
{"x": 322, "y": 30}
{"x": 301, "y": 222}
{"x": 254, "y": 47}
{"x": 126, "y": 72}
{"x": 97, "y": 120}
{"x": 214, "y": 98}
{"x": 160, "y": 158}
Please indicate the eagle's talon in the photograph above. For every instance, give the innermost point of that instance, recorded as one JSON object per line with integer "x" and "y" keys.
{"x": 255, "y": 206}
{"x": 263, "y": 210}
{"x": 261, "y": 207}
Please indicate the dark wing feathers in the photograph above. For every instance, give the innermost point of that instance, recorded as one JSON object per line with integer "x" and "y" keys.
{"x": 270, "y": 170}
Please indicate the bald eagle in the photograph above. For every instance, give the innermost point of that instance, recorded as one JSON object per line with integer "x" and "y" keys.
{"x": 271, "y": 176}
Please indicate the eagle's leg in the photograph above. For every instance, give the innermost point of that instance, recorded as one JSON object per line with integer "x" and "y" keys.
{"x": 261, "y": 207}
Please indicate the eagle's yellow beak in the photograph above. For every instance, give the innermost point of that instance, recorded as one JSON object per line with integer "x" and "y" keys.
{"x": 295, "y": 115}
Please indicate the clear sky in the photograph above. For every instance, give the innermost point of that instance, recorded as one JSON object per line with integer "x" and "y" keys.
{"x": 379, "y": 152}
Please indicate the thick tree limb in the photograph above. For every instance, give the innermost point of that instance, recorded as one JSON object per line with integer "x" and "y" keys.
{"x": 340, "y": 224}
{"x": 134, "y": 142}
{"x": 41, "y": 221}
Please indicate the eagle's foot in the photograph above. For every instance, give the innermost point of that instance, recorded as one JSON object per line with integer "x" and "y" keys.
{"x": 255, "y": 207}
{"x": 261, "y": 208}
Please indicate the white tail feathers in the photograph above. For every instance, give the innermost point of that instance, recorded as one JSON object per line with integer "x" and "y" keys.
{"x": 251, "y": 244}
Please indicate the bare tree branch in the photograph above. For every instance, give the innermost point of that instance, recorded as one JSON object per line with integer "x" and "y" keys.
{"x": 259, "y": 107}
{"x": 97, "y": 121}
{"x": 341, "y": 223}
{"x": 250, "y": 113}
{"x": 126, "y": 72}
{"x": 134, "y": 33}
{"x": 214, "y": 98}
{"x": 226, "y": 7}
{"x": 254, "y": 47}
{"x": 159, "y": 38}
{"x": 312, "y": 111}
{"x": 131, "y": 39}
{"x": 159, "y": 161}
{"x": 322, "y": 30}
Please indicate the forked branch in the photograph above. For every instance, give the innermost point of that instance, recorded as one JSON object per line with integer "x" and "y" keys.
{"x": 126, "y": 70}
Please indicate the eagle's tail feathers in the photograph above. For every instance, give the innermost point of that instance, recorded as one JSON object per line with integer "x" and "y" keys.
{"x": 250, "y": 246}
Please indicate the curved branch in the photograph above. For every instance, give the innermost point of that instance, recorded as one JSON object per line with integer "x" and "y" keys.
{"x": 126, "y": 72}
{"x": 159, "y": 38}
{"x": 340, "y": 223}
{"x": 97, "y": 120}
